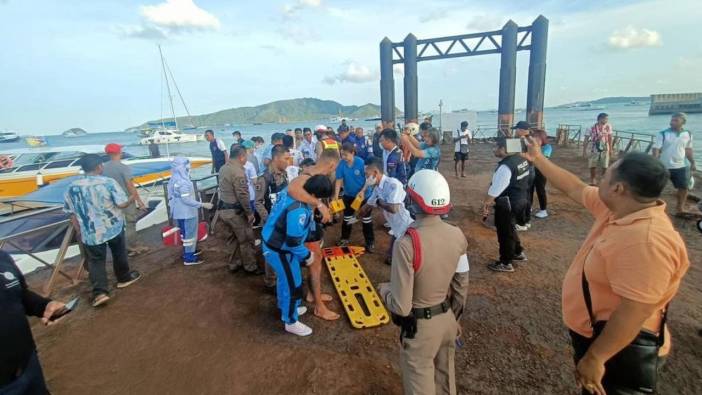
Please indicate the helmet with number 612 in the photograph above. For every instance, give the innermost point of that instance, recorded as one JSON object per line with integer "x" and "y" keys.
{"x": 430, "y": 191}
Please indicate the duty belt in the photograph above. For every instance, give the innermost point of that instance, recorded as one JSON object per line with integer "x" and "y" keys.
{"x": 229, "y": 206}
{"x": 428, "y": 312}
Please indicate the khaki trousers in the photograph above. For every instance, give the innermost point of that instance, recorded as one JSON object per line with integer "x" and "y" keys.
{"x": 243, "y": 238}
{"x": 130, "y": 216}
{"x": 427, "y": 361}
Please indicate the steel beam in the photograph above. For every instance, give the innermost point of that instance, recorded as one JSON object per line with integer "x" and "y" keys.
{"x": 537, "y": 72}
{"x": 387, "y": 83}
{"x": 508, "y": 76}
{"x": 410, "y": 81}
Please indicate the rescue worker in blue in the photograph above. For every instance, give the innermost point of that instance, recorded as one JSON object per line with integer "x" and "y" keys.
{"x": 184, "y": 208}
{"x": 284, "y": 249}
{"x": 220, "y": 156}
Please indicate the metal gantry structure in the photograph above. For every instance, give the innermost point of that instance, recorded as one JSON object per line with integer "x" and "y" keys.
{"x": 506, "y": 42}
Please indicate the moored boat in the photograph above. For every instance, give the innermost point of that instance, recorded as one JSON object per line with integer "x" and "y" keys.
{"x": 33, "y": 168}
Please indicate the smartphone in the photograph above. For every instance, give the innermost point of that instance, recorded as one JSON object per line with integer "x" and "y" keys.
{"x": 515, "y": 146}
{"x": 70, "y": 306}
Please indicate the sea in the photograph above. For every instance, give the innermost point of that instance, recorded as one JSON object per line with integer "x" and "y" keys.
{"x": 623, "y": 117}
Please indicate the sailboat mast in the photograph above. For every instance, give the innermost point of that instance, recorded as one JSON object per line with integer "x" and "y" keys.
{"x": 187, "y": 111}
{"x": 168, "y": 86}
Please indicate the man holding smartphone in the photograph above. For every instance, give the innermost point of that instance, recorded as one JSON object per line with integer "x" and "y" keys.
{"x": 20, "y": 371}
{"x": 508, "y": 194}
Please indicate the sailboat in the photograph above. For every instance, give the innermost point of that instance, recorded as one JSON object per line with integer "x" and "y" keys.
{"x": 168, "y": 132}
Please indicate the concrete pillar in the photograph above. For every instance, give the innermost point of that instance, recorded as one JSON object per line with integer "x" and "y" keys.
{"x": 387, "y": 83}
{"x": 508, "y": 76}
{"x": 537, "y": 72}
{"x": 410, "y": 54}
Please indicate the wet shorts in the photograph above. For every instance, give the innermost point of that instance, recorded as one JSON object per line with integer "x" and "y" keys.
{"x": 680, "y": 178}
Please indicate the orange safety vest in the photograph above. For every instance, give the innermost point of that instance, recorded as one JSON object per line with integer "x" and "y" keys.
{"x": 330, "y": 144}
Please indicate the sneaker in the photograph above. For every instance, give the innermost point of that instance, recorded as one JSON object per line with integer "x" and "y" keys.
{"x": 99, "y": 300}
{"x": 522, "y": 258}
{"x": 498, "y": 266}
{"x": 298, "y": 328}
{"x": 132, "y": 277}
{"x": 523, "y": 228}
{"x": 301, "y": 310}
{"x": 370, "y": 247}
{"x": 343, "y": 243}
{"x": 193, "y": 263}
{"x": 541, "y": 214}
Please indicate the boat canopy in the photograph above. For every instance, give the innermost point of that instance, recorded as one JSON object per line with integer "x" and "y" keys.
{"x": 54, "y": 192}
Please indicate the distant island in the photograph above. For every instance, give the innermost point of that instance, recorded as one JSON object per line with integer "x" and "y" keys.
{"x": 281, "y": 111}
{"x": 608, "y": 100}
{"x": 74, "y": 132}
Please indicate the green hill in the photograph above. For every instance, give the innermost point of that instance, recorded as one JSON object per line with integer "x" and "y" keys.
{"x": 294, "y": 110}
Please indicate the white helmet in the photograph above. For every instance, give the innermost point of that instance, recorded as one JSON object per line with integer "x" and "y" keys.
{"x": 429, "y": 189}
{"x": 320, "y": 128}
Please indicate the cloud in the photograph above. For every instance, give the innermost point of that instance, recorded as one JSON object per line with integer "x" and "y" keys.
{"x": 355, "y": 73}
{"x": 435, "y": 15}
{"x": 144, "y": 32}
{"x": 177, "y": 15}
{"x": 290, "y": 10}
{"x": 171, "y": 17}
{"x": 631, "y": 37}
{"x": 297, "y": 33}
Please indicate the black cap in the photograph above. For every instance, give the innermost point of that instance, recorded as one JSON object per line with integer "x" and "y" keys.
{"x": 521, "y": 125}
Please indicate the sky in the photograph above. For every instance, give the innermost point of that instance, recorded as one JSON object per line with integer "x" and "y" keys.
{"x": 94, "y": 64}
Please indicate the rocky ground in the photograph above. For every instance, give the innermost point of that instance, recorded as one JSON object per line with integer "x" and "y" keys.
{"x": 202, "y": 330}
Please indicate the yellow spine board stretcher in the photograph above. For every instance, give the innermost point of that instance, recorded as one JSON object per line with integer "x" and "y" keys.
{"x": 361, "y": 302}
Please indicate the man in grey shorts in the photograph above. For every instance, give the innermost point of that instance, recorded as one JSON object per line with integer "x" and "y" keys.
{"x": 672, "y": 147}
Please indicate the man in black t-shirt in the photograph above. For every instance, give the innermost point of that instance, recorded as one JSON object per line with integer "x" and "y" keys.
{"x": 20, "y": 371}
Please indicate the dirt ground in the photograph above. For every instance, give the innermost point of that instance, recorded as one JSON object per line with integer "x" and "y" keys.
{"x": 202, "y": 330}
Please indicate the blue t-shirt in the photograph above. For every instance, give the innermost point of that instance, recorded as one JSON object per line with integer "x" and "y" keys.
{"x": 354, "y": 176}
{"x": 431, "y": 157}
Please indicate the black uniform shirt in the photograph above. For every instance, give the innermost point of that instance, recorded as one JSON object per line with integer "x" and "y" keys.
{"x": 16, "y": 302}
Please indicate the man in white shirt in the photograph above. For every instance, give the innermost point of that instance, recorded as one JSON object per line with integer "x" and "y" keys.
{"x": 508, "y": 194}
{"x": 672, "y": 147}
{"x": 255, "y": 185}
{"x": 389, "y": 195}
{"x": 308, "y": 145}
{"x": 461, "y": 148}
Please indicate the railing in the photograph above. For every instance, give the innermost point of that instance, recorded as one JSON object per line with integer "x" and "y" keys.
{"x": 568, "y": 134}
{"x": 205, "y": 189}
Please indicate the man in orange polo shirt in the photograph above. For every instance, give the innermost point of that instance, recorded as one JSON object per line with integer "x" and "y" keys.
{"x": 630, "y": 266}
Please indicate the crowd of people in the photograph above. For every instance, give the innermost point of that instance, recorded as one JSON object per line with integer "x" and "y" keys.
{"x": 275, "y": 200}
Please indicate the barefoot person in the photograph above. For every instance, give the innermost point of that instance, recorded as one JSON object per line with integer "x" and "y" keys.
{"x": 314, "y": 242}
{"x": 284, "y": 250}
{"x": 672, "y": 147}
{"x": 620, "y": 283}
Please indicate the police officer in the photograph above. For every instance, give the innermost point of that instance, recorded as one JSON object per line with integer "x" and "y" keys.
{"x": 235, "y": 210}
{"x": 426, "y": 297}
{"x": 508, "y": 194}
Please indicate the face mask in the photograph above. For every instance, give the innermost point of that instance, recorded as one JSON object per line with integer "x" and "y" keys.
{"x": 370, "y": 181}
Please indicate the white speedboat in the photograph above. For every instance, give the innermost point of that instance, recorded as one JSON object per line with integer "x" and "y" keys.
{"x": 170, "y": 136}
{"x": 33, "y": 168}
{"x": 9, "y": 137}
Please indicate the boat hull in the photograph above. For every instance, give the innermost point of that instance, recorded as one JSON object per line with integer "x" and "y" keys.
{"x": 18, "y": 184}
